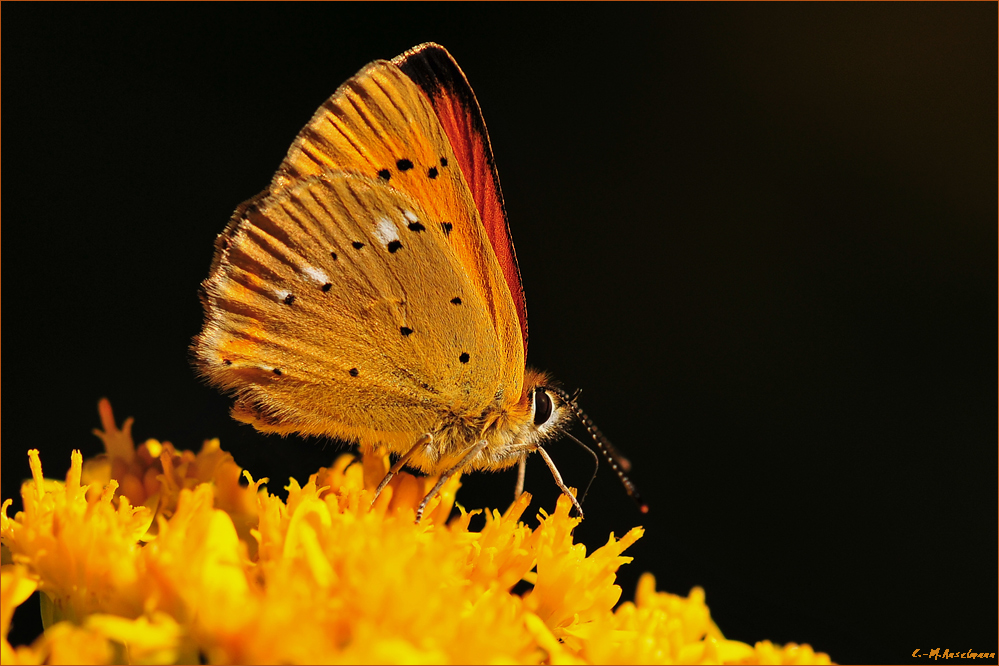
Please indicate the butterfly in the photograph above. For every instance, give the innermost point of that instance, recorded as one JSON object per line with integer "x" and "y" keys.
{"x": 372, "y": 292}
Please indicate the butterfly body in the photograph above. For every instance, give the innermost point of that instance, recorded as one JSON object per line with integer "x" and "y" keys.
{"x": 360, "y": 297}
{"x": 372, "y": 292}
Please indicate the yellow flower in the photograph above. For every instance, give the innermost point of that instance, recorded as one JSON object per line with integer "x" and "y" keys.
{"x": 153, "y": 555}
{"x": 15, "y": 588}
{"x": 154, "y": 473}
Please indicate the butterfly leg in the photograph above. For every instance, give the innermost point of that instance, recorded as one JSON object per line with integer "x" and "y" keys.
{"x": 558, "y": 480}
{"x": 472, "y": 452}
{"x": 521, "y": 472}
{"x": 426, "y": 440}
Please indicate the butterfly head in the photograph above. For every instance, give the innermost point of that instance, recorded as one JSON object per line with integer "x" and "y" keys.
{"x": 563, "y": 407}
{"x": 547, "y": 412}
{"x": 538, "y": 417}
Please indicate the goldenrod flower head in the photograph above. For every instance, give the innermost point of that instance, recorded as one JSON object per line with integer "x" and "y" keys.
{"x": 153, "y": 555}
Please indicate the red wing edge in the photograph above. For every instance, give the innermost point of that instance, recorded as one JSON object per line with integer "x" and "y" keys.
{"x": 437, "y": 74}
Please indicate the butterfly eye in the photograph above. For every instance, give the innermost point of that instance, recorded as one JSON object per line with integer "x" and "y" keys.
{"x": 542, "y": 407}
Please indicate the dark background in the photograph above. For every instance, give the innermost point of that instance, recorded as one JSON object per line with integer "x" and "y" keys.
{"x": 762, "y": 240}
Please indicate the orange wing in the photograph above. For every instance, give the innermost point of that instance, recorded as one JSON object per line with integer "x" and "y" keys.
{"x": 337, "y": 306}
{"x": 437, "y": 74}
{"x": 380, "y": 124}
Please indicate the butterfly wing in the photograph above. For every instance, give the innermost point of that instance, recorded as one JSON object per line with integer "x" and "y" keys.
{"x": 382, "y": 125}
{"x": 337, "y": 305}
{"x": 440, "y": 78}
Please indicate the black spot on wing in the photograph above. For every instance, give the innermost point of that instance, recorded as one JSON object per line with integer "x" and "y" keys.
{"x": 394, "y": 246}
{"x": 406, "y": 331}
{"x": 456, "y": 300}
{"x": 384, "y": 174}
{"x": 447, "y": 227}
{"x": 416, "y": 226}
{"x": 404, "y": 165}
{"x": 289, "y": 299}
{"x": 432, "y": 173}
{"x": 357, "y": 245}
{"x": 353, "y": 372}
{"x": 464, "y": 357}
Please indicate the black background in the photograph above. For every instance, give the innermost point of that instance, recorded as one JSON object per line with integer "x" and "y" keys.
{"x": 761, "y": 239}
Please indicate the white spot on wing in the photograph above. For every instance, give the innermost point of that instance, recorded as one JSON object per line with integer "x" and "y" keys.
{"x": 410, "y": 215}
{"x": 315, "y": 275}
{"x": 385, "y": 231}
{"x": 282, "y": 294}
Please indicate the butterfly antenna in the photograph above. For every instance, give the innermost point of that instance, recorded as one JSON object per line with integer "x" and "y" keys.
{"x": 618, "y": 462}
